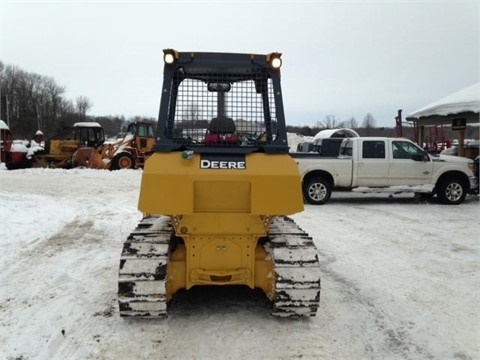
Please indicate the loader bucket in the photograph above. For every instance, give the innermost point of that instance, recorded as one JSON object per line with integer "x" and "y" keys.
{"x": 16, "y": 160}
{"x": 90, "y": 158}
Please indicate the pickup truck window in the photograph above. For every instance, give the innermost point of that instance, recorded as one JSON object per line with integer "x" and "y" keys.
{"x": 346, "y": 148}
{"x": 328, "y": 147}
{"x": 406, "y": 150}
{"x": 373, "y": 150}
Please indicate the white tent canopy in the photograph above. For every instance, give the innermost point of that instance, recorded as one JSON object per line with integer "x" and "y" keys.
{"x": 335, "y": 133}
{"x": 465, "y": 101}
{"x": 3, "y": 126}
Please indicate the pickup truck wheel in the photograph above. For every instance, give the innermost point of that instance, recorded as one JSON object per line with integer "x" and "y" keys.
{"x": 451, "y": 191}
{"x": 317, "y": 191}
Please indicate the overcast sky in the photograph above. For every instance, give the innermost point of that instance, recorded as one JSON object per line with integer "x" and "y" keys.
{"x": 344, "y": 58}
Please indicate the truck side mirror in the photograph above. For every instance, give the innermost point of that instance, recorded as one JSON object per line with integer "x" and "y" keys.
{"x": 423, "y": 157}
{"x": 426, "y": 157}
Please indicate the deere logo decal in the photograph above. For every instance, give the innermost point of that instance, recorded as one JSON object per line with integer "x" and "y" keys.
{"x": 223, "y": 162}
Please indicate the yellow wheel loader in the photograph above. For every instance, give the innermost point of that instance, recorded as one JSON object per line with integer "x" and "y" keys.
{"x": 130, "y": 152}
{"x": 59, "y": 151}
{"x": 216, "y": 203}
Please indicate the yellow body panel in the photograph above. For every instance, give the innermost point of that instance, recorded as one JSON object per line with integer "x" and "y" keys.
{"x": 63, "y": 148}
{"x": 220, "y": 214}
{"x": 172, "y": 185}
{"x": 60, "y": 153}
{"x": 261, "y": 277}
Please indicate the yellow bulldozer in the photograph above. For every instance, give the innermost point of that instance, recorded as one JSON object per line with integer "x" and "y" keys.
{"x": 58, "y": 151}
{"x": 215, "y": 206}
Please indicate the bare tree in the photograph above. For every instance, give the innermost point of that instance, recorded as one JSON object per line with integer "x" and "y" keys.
{"x": 330, "y": 122}
{"x": 33, "y": 101}
{"x": 369, "y": 123}
{"x": 193, "y": 113}
{"x": 352, "y": 123}
{"x": 83, "y": 104}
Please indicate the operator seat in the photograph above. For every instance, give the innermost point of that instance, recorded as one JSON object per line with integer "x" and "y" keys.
{"x": 221, "y": 130}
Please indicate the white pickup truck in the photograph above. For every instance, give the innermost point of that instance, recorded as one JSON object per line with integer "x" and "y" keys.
{"x": 389, "y": 164}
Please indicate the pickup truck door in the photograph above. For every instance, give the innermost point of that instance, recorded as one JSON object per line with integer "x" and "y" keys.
{"x": 409, "y": 165}
{"x": 372, "y": 165}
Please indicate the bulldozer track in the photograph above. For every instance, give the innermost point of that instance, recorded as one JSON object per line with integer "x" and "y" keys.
{"x": 297, "y": 286}
{"x": 144, "y": 258}
{"x": 143, "y": 265}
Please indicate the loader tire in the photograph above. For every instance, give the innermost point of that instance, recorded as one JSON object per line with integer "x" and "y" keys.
{"x": 317, "y": 190}
{"x": 123, "y": 160}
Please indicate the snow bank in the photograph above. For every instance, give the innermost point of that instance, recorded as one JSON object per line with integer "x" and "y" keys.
{"x": 295, "y": 139}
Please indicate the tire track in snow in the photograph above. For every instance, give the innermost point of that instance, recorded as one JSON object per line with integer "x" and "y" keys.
{"x": 71, "y": 234}
{"x": 398, "y": 243}
{"x": 377, "y": 323}
{"x": 396, "y": 338}
{"x": 59, "y": 288}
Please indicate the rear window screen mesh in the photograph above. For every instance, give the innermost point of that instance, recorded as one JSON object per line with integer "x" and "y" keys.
{"x": 226, "y": 109}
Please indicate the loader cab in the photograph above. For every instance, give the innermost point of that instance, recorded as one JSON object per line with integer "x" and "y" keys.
{"x": 89, "y": 136}
{"x": 143, "y": 134}
{"x": 83, "y": 134}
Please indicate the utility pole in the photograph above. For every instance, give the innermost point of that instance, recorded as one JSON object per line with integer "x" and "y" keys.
{"x": 7, "y": 111}
{"x": 398, "y": 124}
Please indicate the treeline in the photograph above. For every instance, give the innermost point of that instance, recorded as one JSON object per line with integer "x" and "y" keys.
{"x": 408, "y": 132}
{"x": 31, "y": 102}
{"x": 368, "y": 127}
{"x": 431, "y": 134}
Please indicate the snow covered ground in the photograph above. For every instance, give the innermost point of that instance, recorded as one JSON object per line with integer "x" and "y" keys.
{"x": 400, "y": 280}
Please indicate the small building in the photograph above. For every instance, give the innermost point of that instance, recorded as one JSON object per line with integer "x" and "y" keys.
{"x": 5, "y": 139}
{"x": 456, "y": 110}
